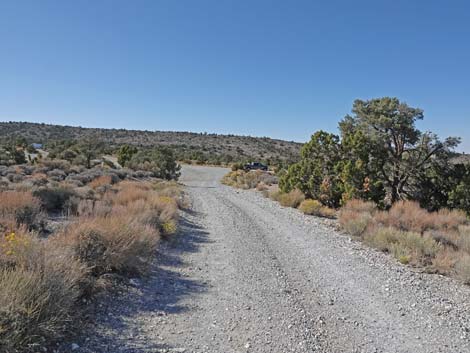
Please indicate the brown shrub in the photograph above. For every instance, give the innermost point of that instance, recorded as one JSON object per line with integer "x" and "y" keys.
{"x": 129, "y": 192}
{"x": 445, "y": 261}
{"x": 354, "y": 223}
{"x": 407, "y": 216}
{"x": 22, "y": 207}
{"x": 39, "y": 289}
{"x": 291, "y": 199}
{"x": 112, "y": 244}
{"x": 446, "y": 219}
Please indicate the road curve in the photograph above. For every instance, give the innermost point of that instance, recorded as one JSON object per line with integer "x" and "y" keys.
{"x": 248, "y": 275}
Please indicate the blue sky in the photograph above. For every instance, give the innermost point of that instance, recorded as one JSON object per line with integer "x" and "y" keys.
{"x": 273, "y": 68}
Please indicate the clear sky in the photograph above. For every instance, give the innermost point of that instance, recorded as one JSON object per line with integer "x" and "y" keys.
{"x": 273, "y": 68}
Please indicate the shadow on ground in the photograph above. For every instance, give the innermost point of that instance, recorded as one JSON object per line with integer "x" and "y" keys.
{"x": 119, "y": 325}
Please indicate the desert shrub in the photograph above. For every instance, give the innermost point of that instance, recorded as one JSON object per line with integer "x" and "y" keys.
{"x": 21, "y": 206}
{"x": 112, "y": 244}
{"x": 462, "y": 268}
{"x": 50, "y": 164}
{"x": 464, "y": 239}
{"x": 291, "y": 199}
{"x": 56, "y": 175}
{"x": 103, "y": 180}
{"x": 382, "y": 238}
{"x": 39, "y": 289}
{"x": 445, "y": 261}
{"x": 237, "y": 166}
{"x": 311, "y": 207}
{"x": 159, "y": 212}
{"x": 274, "y": 194}
{"x": 446, "y": 219}
{"x": 316, "y": 208}
{"x": 408, "y": 216}
{"x": 354, "y": 223}
{"x": 405, "y": 246}
{"x": 54, "y": 198}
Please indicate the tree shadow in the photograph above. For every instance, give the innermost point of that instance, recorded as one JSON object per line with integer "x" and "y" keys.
{"x": 160, "y": 294}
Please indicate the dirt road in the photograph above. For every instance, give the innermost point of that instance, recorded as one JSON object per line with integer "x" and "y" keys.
{"x": 247, "y": 275}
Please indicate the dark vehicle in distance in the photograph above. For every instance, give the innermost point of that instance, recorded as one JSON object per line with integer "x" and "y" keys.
{"x": 255, "y": 166}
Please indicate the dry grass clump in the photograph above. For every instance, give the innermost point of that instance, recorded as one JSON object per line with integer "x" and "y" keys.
{"x": 129, "y": 192}
{"x": 291, "y": 199}
{"x": 356, "y": 216}
{"x": 39, "y": 289}
{"x": 445, "y": 261}
{"x": 113, "y": 244}
{"x": 355, "y": 223}
{"x": 20, "y": 206}
{"x": 315, "y": 208}
{"x": 407, "y": 247}
{"x": 274, "y": 194}
{"x": 159, "y": 212}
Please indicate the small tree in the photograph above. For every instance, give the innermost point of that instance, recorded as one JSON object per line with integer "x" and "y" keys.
{"x": 160, "y": 161}
{"x": 398, "y": 151}
{"x": 125, "y": 154}
{"x": 315, "y": 174}
{"x": 88, "y": 149}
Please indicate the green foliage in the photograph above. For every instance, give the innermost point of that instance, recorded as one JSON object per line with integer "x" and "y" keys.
{"x": 160, "y": 161}
{"x": 125, "y": 154}
{"x": 459, "y": 195}
{"x": 381, "y": 156}
{"x": 315, "y": 174}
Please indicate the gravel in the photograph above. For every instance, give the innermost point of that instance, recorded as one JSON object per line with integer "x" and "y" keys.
{"x": 247, "y": 275}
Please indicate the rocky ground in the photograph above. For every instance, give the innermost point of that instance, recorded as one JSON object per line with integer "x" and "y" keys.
{"x": 246, "y": 275}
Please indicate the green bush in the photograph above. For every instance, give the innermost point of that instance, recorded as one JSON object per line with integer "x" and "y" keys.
{"x": 160, "y": 161}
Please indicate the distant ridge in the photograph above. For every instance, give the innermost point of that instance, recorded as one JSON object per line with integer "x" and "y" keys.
{"x": 238, "y": 147}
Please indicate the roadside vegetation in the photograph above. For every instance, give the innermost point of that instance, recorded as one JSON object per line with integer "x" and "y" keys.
{"x": 69, "y": 233}
{"x": 398, "y": 189}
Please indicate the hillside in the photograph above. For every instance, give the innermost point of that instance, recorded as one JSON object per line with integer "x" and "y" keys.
{"x": 187, "y": 144}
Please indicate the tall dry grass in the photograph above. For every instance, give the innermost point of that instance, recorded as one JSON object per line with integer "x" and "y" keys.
{"x": 20, "y": 208}
{"x": 291, "y": 199}
{"x": 438, "y": 240}
{"x": 39, "y": 289}
{"x": 43, "y": 280}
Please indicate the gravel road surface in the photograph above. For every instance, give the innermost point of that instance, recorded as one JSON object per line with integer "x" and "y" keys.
{"x": 246, "y": 275}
